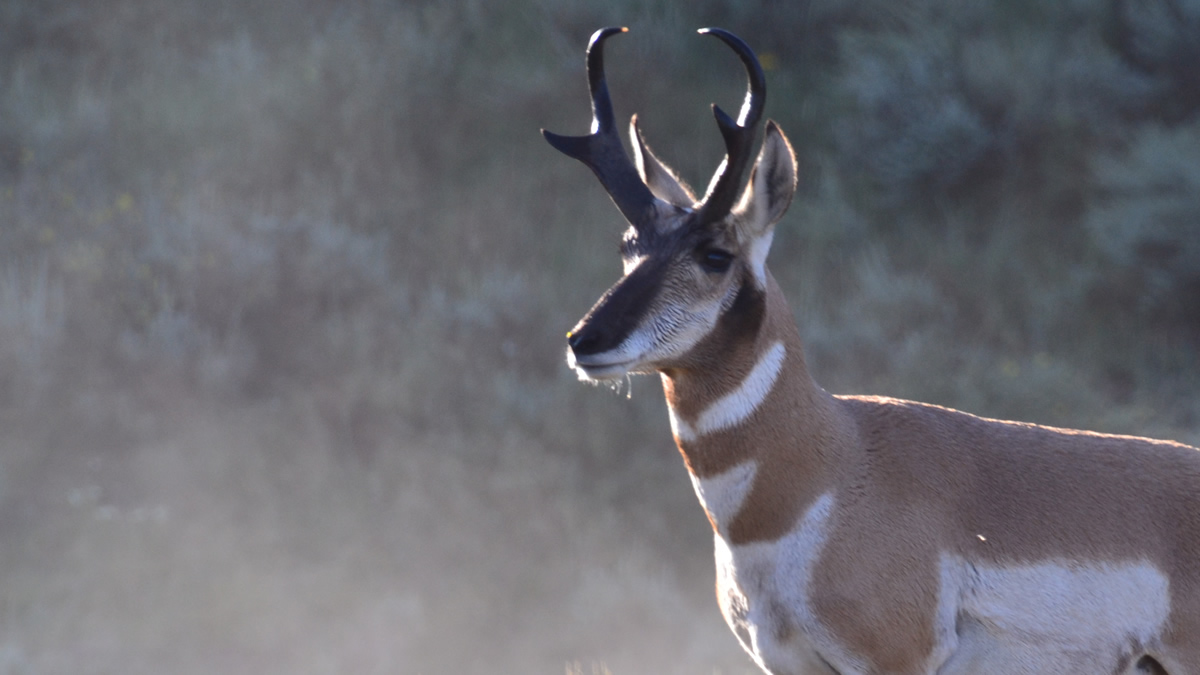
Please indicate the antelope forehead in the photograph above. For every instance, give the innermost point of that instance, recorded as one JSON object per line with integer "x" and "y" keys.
{"x": 672, "y": 221}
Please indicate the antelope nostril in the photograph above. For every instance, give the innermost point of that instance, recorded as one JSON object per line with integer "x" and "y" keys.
{"x": 575, "y": 338}
{"x": 586, "y": 340}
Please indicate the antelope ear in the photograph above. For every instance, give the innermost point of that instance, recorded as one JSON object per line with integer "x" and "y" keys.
{"x": 659, "y": 177}
{"x": 772, "y": 184}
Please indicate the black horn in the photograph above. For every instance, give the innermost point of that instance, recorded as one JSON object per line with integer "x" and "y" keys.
{"x": 739, "y": 135}
{"x": 602, "y": 150}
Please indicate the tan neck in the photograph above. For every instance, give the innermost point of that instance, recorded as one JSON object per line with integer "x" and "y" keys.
{"x": 757, "y": 404}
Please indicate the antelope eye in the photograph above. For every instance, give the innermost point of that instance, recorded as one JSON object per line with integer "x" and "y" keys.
{"x": 715, "y": 260}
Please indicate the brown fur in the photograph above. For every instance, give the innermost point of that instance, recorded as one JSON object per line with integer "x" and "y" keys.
{"x": 779, "y": 495}
{"x": 901, "y": 487}
{"x": 915, "y": 480}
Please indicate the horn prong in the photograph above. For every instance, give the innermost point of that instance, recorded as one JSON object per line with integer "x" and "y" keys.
{"x": 739, "y": 135}
{"x": 602, "y": 150}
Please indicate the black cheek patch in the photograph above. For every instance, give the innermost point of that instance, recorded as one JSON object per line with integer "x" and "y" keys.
{"x": 745, "y": 316}
{"x": 741, "y": 322}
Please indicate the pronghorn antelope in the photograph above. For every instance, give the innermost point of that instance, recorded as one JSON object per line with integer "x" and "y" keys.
{"x": 871, "y": 535}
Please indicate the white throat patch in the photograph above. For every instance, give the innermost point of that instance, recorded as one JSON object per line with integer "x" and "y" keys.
{"x": 722, "y": 495}
{"x": 736, "y": 406}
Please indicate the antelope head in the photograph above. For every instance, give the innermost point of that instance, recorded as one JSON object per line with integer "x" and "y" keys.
{"x": 693, "y": 268}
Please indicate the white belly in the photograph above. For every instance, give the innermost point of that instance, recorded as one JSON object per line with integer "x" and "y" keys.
{"x": 1050, "y": 617}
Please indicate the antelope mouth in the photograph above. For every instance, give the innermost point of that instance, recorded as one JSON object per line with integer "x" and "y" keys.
{"x": 592, "y": 368}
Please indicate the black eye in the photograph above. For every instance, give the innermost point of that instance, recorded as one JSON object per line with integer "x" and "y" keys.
{"x": 715, "y": 260}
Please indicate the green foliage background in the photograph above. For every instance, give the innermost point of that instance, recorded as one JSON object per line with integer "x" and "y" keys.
{"x": 283, "y": 288}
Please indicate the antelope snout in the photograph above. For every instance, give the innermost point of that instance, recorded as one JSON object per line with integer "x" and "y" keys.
{"x": 593, "y": 353}
{"x": 586, "y": 339}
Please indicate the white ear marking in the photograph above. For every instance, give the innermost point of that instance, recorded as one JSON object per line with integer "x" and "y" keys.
{"x": 766, "y": 198}
{"x": 757, "y": 256}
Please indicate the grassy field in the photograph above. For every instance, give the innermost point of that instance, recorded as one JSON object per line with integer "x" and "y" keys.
{"x": 283, "y": 289}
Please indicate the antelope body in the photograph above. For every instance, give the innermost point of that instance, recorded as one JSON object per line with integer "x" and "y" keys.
{"x": 857, "y": 534}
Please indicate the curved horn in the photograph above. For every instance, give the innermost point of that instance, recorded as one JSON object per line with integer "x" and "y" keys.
{"x": 601, "y": 150}
{"x": 739, "y": 136}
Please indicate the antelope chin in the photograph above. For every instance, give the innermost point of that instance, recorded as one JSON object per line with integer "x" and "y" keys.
{"x": 591, "y": 369}
{"x": 602, "y": 373}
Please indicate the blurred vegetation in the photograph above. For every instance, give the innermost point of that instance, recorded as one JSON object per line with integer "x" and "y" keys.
{"x": 283, "y": 289}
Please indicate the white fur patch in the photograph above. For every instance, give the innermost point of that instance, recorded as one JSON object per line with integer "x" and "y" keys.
{"x": 764, "y": 590}
{"x": 951, "y": 583}
{"x": 757, "y": 256}
{"x": 736, "y": 406}
{"x": 679, "y": 429}
{"x": 1083, "y": 603}
{"x": 722, "y": 495}
{"x": 1057, "y": 615}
